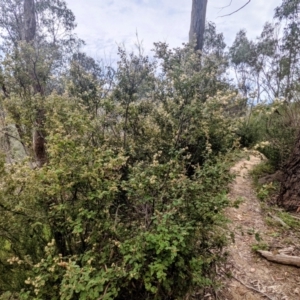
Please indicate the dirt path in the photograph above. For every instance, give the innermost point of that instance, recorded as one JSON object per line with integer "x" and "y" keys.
{"x": 253, "y": 276}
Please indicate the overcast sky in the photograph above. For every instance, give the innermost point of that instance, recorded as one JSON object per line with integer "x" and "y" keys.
{"x": 104, "y": 24}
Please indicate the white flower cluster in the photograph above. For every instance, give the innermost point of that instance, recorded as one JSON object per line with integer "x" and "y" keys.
{"x": 262, "y": 145}
{"x": 15, "y": 260}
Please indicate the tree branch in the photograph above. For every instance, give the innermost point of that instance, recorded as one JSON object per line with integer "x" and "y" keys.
{"x": 11, "y": 136}
{"x": 221, "y": 8}
{"x": 236, "y": 10}
{"x": 251, "y": 288}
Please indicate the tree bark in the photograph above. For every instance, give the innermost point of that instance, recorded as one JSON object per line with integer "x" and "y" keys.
{"x": 281, "y": 258}
{"x": 198, "y": 23}
{"x": 29, "y": 21}
{"x": 289, "y": 196}
{"x": 39, "y": 143}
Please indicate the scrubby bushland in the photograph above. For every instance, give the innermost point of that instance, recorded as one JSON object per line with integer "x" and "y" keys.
{"x": 267, "y": 69}
{"x": 129, "y": 204}
{"x": 271, "y": 129}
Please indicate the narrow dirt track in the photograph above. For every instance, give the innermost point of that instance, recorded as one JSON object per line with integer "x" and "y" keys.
{"x": 253, "y": 277}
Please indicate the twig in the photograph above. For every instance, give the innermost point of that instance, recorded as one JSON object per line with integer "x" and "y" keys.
{"x": 221, "y": 8}
{"x": 252, "y": 288}
{"x": 116, "y": 217}
{"x": 279, "y": 220}
{"x": 277, "y": 209}
{"x": 236, "y": 10}
{"x": 294, "y": 217}
{"x": 11, "y": 136}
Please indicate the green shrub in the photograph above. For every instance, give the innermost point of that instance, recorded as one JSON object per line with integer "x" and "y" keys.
{"x": 279, "y": 124}
{"x": 251, "y": 130}
{"x": 158, "y": 241}
{"x": 129, "y": 204}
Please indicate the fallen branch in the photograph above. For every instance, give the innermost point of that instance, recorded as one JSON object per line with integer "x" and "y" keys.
{"x": 286, "y": 251}
{"x": 279, "y": 220}
{"x": 294, "y": 217}
{"x": 281, "y": 258}
{"x": 252, "y": 288}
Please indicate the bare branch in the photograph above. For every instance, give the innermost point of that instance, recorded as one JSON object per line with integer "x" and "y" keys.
{"x": 221, "y": 8}
{"x": 14, "y": 137}
{"x": 236, "y": 10}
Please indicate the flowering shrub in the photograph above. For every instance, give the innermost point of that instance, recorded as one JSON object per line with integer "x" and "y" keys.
{"x": 129, "y": 204}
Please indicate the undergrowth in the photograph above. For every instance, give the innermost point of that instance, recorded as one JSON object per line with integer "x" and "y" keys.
{"x": 285, "y": 226}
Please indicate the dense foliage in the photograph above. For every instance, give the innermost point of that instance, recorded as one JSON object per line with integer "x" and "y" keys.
{"x": 267, "y": 73}
{"x": 111, "y": 228}
{"x": 129, "y": 201}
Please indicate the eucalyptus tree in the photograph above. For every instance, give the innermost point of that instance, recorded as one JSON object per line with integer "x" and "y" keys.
{"x": 28, "y": 34}
{"x": 205, "y": 39}
{"x": 269, "y": 67}
{"x": 29, "y": 29}
{"x": 197, "y": 28}
{"x": 198, "y": 21}
{"x": 37, "y": 42}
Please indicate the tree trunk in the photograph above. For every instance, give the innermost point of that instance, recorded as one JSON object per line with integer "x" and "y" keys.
{"x": 39, "y": 143}
{"x": 289, "y": 196}
{"x": 29, "y": 20}
{"x": 198, "y": 23}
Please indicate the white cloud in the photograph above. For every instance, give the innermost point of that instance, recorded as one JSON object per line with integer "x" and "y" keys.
{"x": 105, "y": 23}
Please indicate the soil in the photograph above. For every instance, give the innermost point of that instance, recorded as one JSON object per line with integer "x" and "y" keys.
{"x": 248, "y": 275}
